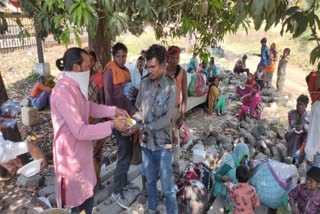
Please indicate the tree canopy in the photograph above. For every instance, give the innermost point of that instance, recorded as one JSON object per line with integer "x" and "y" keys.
{"x": 207, "y": 20}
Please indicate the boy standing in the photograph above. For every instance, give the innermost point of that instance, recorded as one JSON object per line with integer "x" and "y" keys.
{"x": 242, "y": 194}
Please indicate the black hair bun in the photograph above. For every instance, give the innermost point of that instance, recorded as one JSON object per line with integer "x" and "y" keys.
{"x": 60, "y": 64}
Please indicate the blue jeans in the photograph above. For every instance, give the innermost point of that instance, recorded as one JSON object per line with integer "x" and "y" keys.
{"x": 155, "y": 162}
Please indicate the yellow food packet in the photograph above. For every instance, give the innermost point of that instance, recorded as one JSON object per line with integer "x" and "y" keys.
{"x": 131, "y": 122}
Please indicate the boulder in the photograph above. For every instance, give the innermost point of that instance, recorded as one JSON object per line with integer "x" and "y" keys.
{"x": 214, "y": 133}
{"x": 260, "y": 156}
{"x": 46, "y": 191}
{"x": 250, "y": 121}
{"x": 29, "y": 182}
{"x": 253, "y": 151}
{"x": 272, "y": 135}
{"x": 268, "y": 92}
{"x": 262, "y": 147}
{"x": 269, "y": 143}
{"x": 245, "y": 125}
{"x": 282, "y": 151}
{"x": 266, "y": 99}
{"x": 233, "y": 124}
{"x": 210, "y": 141}
{"x": 212, "y": 153}
{"x": 259, "y": 132}
{"x": 281, "y": 133}
{"x": 281, "y": 99}
{"x": 264, "y": 123}
{"x": 248, "y": 137}
{"x": 223, "y": 139}
{"x": 276, "y": 153}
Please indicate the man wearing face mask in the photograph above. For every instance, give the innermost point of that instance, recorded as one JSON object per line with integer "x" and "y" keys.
{"x": 73, "y": 135}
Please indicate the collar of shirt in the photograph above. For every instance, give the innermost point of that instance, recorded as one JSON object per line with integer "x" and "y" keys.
{"x": 162, "y": 82}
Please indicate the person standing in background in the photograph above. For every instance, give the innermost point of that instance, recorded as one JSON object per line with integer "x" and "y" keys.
{"x": 269, "y": 71}
{"x": 282, "y": 66}
{"x": 175, "y": 71}
{"x": 115, "y": 78}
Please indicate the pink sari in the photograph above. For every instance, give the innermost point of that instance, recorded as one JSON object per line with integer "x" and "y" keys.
{"x": 247, "y": 89}
{"x": 251, "y": 106}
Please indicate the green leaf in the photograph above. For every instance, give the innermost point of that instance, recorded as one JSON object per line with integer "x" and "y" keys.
{"x": 78, "y": 39}
{"x": 57, "y": 21}
{"x": 65, "y": 37}
{"x": 315, "y": 55}
{"x": 73, "y": 7}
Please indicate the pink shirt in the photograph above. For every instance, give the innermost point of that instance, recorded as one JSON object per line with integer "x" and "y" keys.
{"x": 245, "y": 198}
{"x": 72, "y": 146}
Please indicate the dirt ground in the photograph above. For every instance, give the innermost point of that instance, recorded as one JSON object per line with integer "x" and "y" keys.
{"x": 17, "y": 66}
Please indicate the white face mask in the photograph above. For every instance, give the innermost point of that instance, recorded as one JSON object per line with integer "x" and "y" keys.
{"x": 82, "y": 78}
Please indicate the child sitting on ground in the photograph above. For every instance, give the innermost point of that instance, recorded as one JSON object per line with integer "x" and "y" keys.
{"x": 305, "y": 198}
{"x": 243, "y": 195}
{"x": 214, "y": 99}
{"x": 259, "y": 77}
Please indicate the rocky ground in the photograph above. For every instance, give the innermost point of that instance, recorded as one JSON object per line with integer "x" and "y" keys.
{"x": 217, "y": 134}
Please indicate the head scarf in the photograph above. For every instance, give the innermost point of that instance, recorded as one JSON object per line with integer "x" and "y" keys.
{"x": 173, "y": 50}
{"x": 239, "y": 152}
{"x": 39, "y": 78}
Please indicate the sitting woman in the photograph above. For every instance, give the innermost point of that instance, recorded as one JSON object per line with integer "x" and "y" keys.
{"x": 202, "y": 67}
{"x": 297, "y": 130}
{"x": 243, "y": 90}
{"x": 226, "y": 172}
{"x": 259, "y": 77}
{"x": 40, "y": 94}
{"x": 251, "y": 104}
{"x": 192, "y": 67}
{"x": 214, "y": 100}
{"x": 211, "y": 70}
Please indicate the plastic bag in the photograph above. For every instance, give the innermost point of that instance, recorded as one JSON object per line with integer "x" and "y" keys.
{"x": 10, "y": 109}
{"x": 280, "y": 176}
{"x": 7, "y": 122}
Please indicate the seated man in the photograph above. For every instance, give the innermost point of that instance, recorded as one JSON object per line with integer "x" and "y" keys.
{"x": 240, "y": 66}
{"x": 40, "y": 94}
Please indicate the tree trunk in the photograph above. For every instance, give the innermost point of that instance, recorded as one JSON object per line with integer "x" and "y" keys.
{"x": 3, "y": 91}
{"x": 101, "y": 42}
